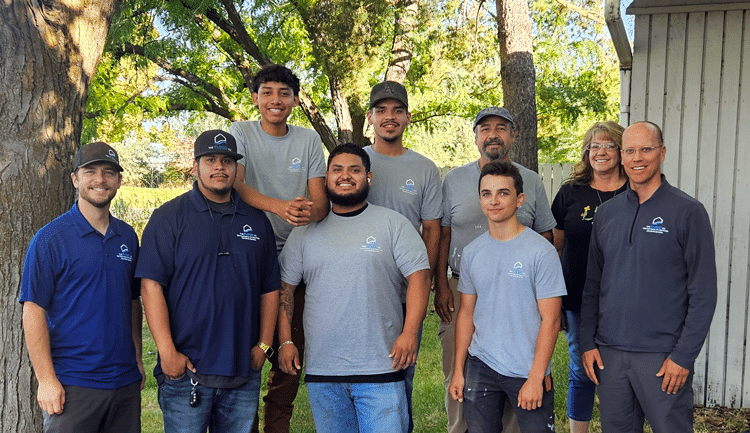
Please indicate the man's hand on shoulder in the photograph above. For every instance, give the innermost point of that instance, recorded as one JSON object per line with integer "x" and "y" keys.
{"x": 589, "y": 358}
{"x": 674, "y": 375}
{"x": 404, "y": 351}
{"x": 51, "y": 396}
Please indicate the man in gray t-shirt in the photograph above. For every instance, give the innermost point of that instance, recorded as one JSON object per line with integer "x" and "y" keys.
{"x": 282, "y": 174}
{"x": 463, "y": 221}
{"x": 405, "y": 181}
{"x": 358, "y": 336}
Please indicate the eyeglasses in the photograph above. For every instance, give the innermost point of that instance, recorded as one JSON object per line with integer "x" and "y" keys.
{"x": 594, "y": 147}
{"x": 643, "y": 150}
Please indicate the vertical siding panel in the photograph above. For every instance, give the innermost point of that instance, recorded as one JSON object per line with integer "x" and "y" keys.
{"x": 741, "y": 224}
{"x": 691, "y": 104}
{"x": 726, "y": 148}
{"x": 657, "y": 68}
{"x": 639, "y": 77}
{"x": 673, "y": 96}
{"x": 707, "y": 171}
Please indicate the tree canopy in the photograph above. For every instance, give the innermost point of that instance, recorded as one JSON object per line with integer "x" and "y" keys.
{"x": 196, "y": 59}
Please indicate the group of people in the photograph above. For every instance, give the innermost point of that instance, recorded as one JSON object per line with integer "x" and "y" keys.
{"x": 278, "y": 254}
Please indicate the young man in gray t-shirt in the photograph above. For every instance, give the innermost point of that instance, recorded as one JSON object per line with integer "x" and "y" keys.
{"x": 282, "y": 174}
{"x": 511, "y": 286}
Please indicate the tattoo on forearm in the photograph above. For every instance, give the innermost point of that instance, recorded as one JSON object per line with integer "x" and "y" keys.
{"x": 287, "y": 298}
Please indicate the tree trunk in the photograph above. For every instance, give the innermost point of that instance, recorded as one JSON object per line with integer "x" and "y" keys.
{"x": 341, "y": 110}
{"x": 403, "y": 46}
{"x": 50, "y": 51}
{"x": 518, "y": 77}
{"x": 317, "y": 120}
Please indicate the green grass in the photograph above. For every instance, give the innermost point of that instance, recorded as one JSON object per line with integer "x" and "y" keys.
{"x": 429, "y": 411}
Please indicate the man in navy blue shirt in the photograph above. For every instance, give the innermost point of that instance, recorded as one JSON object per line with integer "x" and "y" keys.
{"x": 650, "y": 293}
{"x": 210, "y": 280}
{"x": 81, "y": 307}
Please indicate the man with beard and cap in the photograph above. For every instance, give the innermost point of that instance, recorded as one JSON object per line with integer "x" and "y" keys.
{"x": 463, "y": 221}
{"x": 405, "y": 181}
{"x": 210, "y": 280}
{"x": 82, "y": 309}
{"x": 358, "y": 337}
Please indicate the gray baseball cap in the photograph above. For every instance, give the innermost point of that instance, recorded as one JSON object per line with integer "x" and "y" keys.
{"x": 494, "y": 111}
{"x": 389, "y": 90}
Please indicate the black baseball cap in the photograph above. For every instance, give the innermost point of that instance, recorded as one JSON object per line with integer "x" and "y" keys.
{"x": 494, "y": 111}
{"x": 389, "y": 90}
{"x": 96, "y": 152}
{"x": 216, "y": 141}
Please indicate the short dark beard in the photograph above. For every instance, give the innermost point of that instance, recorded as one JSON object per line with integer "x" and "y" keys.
{"x": 494, "y": 156}
{"x": 348, "y": 200}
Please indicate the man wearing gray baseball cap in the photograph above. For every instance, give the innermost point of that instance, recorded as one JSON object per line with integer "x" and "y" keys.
{"x": 463, "y": 221}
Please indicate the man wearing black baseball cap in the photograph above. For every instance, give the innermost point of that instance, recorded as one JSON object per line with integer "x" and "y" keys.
{"x": 81, "y": 307}
{"x": 210, "y": 280}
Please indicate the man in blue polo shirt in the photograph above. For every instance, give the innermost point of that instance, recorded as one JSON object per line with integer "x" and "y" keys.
{"x": 210, "y": 280}
{"x": 81, "y": 307}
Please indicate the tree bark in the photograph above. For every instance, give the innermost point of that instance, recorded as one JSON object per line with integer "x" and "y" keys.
{"x": 341, "y": 110}
{"x": 518, "y": 77}
{"x": 50, "y": 51}
{"x": 403, "y": 46}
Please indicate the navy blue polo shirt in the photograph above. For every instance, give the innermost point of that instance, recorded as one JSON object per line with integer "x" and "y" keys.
{"x": 213, "y": 268}
{"x": 85, "y": 283}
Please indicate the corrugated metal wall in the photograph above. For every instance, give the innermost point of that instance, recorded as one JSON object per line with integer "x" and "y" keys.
{"x": 691, "y": 74}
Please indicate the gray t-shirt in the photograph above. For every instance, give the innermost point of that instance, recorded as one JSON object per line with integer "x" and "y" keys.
{"x": 508, "y": 278}
{"x": 353, "y": 267}
{"x": 463, "y": 214}
{"x": 279, "y": 167}
{"x": 408, "y": 184}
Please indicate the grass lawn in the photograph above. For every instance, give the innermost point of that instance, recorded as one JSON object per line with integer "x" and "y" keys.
{"x": 429, "y": 410}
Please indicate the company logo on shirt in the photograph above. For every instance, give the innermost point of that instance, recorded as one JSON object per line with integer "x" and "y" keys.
{"x": 247, "y": 234}
{"x": 296, "y": 165}
{"x": 517, "y": 271}
{"x": 656, "y": 226}
{"x": 408, "y": 187}
{"x": 371, "y": 245}
{"x": 125, "y": 253}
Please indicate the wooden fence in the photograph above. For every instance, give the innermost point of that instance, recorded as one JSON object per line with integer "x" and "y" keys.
{"x": 553, "y": 175}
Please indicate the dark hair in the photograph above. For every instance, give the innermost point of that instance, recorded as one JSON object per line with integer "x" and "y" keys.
{"x": 277, "y": 74}
{"x": 502, "y": 168}
{"x": 351, "y": 149}
{"x": 582, "y": 173}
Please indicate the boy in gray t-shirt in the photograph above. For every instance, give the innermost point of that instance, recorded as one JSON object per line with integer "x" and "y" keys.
{"x": 511, "y": 284}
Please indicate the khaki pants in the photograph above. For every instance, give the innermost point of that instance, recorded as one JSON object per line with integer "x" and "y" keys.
{"x": 453, "y": 408}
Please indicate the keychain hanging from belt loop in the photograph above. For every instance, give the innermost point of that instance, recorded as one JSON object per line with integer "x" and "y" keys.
{"x": 194, "y": 396}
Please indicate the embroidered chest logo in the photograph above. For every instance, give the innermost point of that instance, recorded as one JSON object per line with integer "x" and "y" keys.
{"x": 296, "y": 165}
{"x": 408, "y": 187}
{"x": 247, "y": 234}
{"x": 371, "y": 245}
{"x": 125, "y": 253}
{"x": 656, "y": 226}
{"x": 517, "y": 271}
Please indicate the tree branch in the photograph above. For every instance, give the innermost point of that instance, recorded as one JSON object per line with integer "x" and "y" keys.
{"x": 593, "y": 16}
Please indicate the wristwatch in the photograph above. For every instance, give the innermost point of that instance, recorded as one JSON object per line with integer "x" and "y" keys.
{"x": 268, "y": 350}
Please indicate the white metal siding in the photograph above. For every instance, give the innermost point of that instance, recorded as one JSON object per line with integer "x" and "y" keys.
{"x": 691, "y": 74}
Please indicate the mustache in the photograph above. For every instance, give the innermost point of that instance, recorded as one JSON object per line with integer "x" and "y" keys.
{"x": 490, "y": 141}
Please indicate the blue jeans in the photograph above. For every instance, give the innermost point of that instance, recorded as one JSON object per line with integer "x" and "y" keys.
{"x": 409, "y": 380}
{"x": 220, "y": 409}
{"x": 581, "y": 389}
{"x": 485, "y": 392}
{"x": 359, "y": 407}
